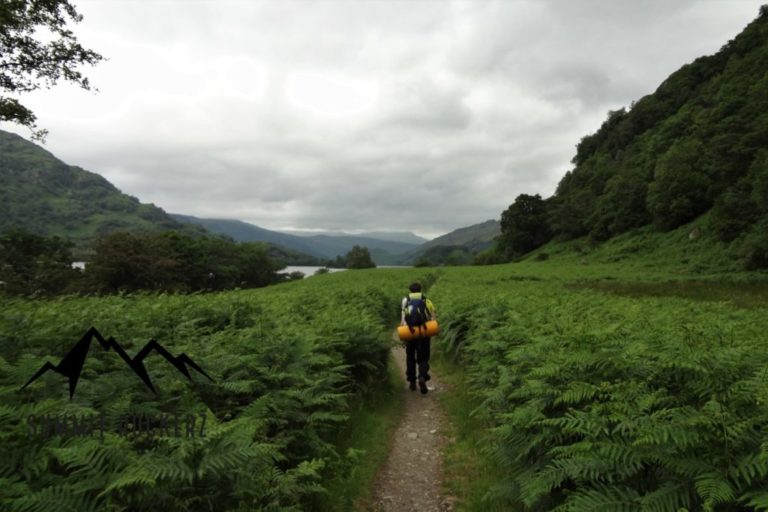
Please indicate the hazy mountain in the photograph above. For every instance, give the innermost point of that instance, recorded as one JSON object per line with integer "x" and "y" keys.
{"x": 475, "y": 236}
{"x": 457, "y": 247}
{"x": 245, "y": 232}
{"x": 405, "y": 237}
{"x": 383, "y": 252}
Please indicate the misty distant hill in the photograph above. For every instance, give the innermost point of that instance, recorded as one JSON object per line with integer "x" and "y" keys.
{"x": 457, "y": 247}
{"x": 475, "y": 236}
{"x": 405, "y": 237}
{"x": 383, "y": 252}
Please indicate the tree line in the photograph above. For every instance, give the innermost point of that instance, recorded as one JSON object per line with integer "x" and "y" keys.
{"x": 34, "y": 265}
{"x": 123, "y": 261}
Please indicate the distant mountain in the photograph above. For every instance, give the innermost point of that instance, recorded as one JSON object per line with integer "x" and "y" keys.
{"x": 42, "y": 194}
{"x": 405, "y": 237}
{"x": 383, "y": 252}
{"x": 475, "y": 236}
{"x": 245, "y": 232}
{"x": 457, "y": 247}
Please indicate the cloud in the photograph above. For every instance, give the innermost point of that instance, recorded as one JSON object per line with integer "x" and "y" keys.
{"x": 381, "y": 115}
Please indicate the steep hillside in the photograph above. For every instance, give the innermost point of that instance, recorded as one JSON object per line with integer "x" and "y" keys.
{"x": 698, "y": 144}
{"x": 42, "y": 194}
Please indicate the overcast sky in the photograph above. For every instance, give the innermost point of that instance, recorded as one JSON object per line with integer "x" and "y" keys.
{"x": 361, "y": 115}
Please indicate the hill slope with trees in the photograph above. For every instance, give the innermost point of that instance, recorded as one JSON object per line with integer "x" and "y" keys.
{"x": 698, "y": 144}
{"x": 41, "y": 194}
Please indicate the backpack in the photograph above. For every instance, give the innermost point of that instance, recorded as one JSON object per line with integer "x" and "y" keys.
{"x": 416, "y": 313}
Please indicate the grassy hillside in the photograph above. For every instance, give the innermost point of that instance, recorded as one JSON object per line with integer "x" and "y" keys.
{"x": 41, "y": 194}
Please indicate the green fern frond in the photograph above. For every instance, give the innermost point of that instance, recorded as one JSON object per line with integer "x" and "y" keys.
{"x": 605, "y": 499}
{"x": 54, "y": 499}
{"x": 714, "y": 489}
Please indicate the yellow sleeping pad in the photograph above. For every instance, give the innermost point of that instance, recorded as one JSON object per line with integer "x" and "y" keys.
{"x": 425, "y": 331}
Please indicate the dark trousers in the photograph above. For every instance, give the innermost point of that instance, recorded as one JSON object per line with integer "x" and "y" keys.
{"x": 416, "y": 353}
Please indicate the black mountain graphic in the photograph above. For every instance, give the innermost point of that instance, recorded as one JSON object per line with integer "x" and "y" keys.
{"x": 72, "y": 364}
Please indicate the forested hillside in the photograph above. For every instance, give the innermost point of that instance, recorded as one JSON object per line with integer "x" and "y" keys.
{"x": 698, "y": 144}
{"x": 42, "y": 194}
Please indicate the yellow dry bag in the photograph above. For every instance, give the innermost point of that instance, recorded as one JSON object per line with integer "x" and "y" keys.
{"x": 423, "y": 331}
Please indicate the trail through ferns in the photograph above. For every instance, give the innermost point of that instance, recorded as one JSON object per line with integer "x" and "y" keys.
{"x": 411, "y": 479}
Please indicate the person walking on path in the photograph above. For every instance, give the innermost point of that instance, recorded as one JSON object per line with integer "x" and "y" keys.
{"x": 416, "y": 310}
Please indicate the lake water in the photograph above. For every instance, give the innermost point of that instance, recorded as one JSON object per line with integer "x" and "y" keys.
{"x": 306, "y": 270}
{"x": 310, "y": 271}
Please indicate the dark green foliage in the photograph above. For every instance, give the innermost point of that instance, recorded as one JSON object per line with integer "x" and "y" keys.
{"x": 524, "y": 226}
{"x": 29, "y": 62}
{"x": 678, "y": 193}
{"x": 35, "y": 266}
{"x": 621, "y": 208}
{"x": 445, "y": 255}
{"x": 734, "y": 212}
{"x": 126, "y": 261}
{"x": 755, "y": 248}
{"x": 32, "y": 265}
{"x": 359, "y": 257}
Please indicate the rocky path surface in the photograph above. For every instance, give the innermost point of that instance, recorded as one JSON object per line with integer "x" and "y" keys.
{"x": 411, "y": 479}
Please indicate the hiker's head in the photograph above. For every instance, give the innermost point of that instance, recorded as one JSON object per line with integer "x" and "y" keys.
{"x": 415, "y": 287}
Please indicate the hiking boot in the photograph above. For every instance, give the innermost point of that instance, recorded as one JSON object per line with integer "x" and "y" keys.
{"x": 423, "y": 385}
{"x": 412, "y": 385}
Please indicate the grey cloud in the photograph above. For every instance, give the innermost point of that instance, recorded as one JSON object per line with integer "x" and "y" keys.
{"x": 471, "y": 103}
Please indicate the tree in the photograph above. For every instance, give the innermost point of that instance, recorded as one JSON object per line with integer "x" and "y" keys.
{"x": 621, "y": 207}
{"x": 34, "y": 265}
{"x": 524, "y": 226}
{"x": 359, "y": 257}
{"x": 29, "y": 62}
{"x": 678, "y": 193}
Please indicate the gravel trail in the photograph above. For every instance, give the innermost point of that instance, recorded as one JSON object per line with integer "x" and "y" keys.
{"x": 411, "y": 479}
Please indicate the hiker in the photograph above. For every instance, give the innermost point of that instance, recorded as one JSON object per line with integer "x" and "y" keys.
{"x": 416, "y": 310}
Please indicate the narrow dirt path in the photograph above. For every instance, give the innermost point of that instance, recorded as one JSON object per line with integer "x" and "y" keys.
{"x": 411, "y": 479}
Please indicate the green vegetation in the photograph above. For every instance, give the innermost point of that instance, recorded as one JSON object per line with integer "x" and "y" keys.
{"x": 606, "y": 387}
{"x": 578, "y": 382}
{"x": 291, "y": 365}
{"x": 359, "y": 257}
{"x": 31, "y": 265}
{"x": 445, "y": 255}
